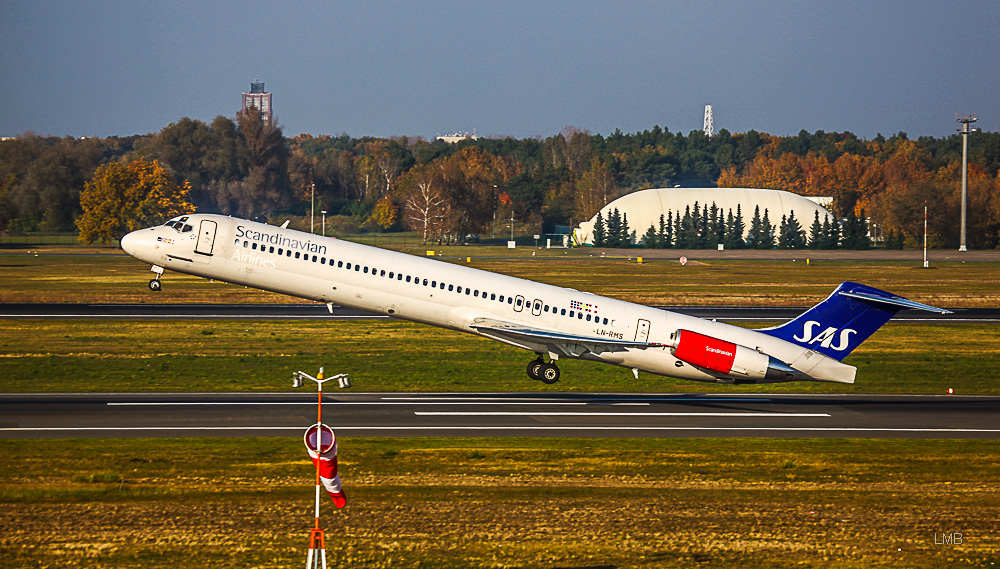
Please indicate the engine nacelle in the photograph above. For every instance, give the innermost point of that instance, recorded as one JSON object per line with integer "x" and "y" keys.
{"x": 729, "y": 359}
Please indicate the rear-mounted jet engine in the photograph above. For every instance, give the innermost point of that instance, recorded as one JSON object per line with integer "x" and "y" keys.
{"x": 732, "y": 361}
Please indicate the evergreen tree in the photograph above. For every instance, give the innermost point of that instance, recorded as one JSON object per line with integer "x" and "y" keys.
{"x": 862, "y": 241}
{"x": 766, "y": 240}
{"x": 824, "y": 241}
{"x": 834, "y": 234}
{"x": 756, "y": 229}
{"x": 816, "y": 233}
{"x": 614, "y": 229}
{"x": 791, "y": 235}
{"x": 651, "y": 239}
{"x": 849, "y": 238}
{"x": 797, "y": 235}
{"x": 736, "y": 229}
{"x": 686, "y": 235}
{"x": 663, "y": 236}
{"x": 600, "y": 233}
{"x": 625, "y": 237}
{"x": 720, "y": 226}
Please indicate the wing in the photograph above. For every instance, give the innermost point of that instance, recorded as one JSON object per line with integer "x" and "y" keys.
{"x": 572, "y": 345}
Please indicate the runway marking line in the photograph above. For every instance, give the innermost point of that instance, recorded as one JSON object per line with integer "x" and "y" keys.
{"x": 601, "y": 414}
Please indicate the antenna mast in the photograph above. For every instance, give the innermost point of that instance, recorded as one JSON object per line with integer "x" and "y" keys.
{"x": 709, "y": 123}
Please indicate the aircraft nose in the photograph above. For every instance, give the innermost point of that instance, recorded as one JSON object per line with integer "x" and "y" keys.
{"x": 129, "y": 242}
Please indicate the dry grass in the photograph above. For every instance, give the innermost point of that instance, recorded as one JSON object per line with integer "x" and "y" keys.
{"x": 506, "y": 503}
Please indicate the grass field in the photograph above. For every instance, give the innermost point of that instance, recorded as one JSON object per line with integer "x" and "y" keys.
{"x": 416, "y": 502}
{"x": 104, "y": 275}
{"x": 226, "y": 355}
{"x": 503, "y": 503}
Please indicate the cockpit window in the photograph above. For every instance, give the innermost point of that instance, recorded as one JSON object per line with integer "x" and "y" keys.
{"x": 170, "y": 223}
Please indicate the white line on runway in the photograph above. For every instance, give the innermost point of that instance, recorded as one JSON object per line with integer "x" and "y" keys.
{"x": 602, "y": 414}
{"x": 340, "y": 403}
{"x": 653, "y": 399}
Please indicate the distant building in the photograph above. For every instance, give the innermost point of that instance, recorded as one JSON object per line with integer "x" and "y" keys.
{"x": 257, "y": 97}
{"x": 458, "y": 136}
{"x": 645, "y": 207}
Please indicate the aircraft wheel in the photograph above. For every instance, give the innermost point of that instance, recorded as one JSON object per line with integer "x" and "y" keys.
{"x": 549, "y": 373}
{"x": 154, "y": 285}
{"x": 535, "y": 369}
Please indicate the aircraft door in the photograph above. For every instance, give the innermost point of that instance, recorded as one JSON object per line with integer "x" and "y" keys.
{"x": 536, "y": 307}
{"x": 642, "y": 331}
{"x": 518, "y": 303}
{"x": 206, "y": 237}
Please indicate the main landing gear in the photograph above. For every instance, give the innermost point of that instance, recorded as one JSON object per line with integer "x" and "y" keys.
{"x": 547, "y": 373}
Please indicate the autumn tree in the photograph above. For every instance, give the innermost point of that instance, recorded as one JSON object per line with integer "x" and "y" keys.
{"x": 124, "y": 197}
{"x": 595, "y": 188}
{"x": 424, "y": 204}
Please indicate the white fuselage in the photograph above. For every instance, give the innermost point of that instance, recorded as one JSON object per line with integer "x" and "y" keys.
{"x": 443, "y": 294}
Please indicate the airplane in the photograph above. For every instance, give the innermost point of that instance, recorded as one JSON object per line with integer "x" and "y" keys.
{"x": 551, "y": 321}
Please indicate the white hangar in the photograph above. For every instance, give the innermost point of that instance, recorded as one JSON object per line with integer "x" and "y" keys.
{"x": 644, "y": 207}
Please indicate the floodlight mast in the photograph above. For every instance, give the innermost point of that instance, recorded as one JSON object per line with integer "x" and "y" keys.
{"x": 964, "y": 131}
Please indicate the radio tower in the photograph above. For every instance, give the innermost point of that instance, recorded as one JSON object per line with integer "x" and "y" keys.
{"x": 709, "y": 125}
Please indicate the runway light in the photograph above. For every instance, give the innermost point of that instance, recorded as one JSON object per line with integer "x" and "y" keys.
{"x": 951, "y": 391}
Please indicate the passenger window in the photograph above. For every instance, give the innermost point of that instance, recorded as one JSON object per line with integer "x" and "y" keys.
{"x": 458, "y": 290}
{"x": 296, "y": 254}
{"x": 501, "y": 298}
{"x": 357, "y": 268}
{"x": 322, "y": 260}
{"x": 245, "y": 244}
{"x": 579, "y": 315}
{"x": 281, "y": 251}
{"x": 425, "y": 282}
{"x": 288, "y": 253}
{"x": 451, "y": 288}
{"x": 519, "y": 302}
{"x": 407, "y": 278}
{"x": 468, "y": 291}
{"x": 434, "y": 284}
{"x": 399, "y": 276}
{"x": 442, "y": 286}
{"x": 588, "y": 318}
{"x": 331, "y": 262}
{"x": 570, "y": 313}
{"x": 493, "y": 296}
{"x": 348, "y": 266}
{"x": 510, "y": 300}
{"x": 254, "y": 246}
{"x": 314, "y": 258}
{"x": 340, "y": 264}
{"x": 366, "y": 270}
{"x": 476, "y": 294}
{"x": 605, "y": 320}
{"x": 272, "y": 250}
{"x": 563, "y": 312}
{"x": 546, "y": 308}
{"x": 390, "y": 274}
{"x": 382, "y": 274}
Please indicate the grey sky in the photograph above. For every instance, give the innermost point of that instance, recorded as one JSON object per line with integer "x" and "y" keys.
{"x": 104, "y": 68}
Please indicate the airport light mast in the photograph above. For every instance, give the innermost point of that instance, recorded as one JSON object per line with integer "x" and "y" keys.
{"x": 966, "y": 120}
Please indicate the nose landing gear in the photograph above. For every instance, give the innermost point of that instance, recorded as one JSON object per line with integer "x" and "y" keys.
{"x": 155, "y": 284}
{"x": 547, "y": 373}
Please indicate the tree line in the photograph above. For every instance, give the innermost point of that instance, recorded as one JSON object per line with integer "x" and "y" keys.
{"x": 709, "y": 227}
{"x": 247, "y": 167}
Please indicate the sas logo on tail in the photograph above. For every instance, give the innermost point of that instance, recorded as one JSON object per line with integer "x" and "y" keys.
{"x": 825, "y": 338}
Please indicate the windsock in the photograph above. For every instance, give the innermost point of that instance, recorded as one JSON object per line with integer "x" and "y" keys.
{"x": 326, "y": 462}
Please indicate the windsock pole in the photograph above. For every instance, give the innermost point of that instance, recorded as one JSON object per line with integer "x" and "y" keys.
{"x": 316, "y": 559}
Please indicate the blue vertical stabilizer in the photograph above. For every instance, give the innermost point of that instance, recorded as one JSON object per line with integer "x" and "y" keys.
{"x": 847, "y": 317}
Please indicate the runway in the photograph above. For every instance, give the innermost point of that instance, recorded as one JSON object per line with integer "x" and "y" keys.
{"x": 500, "y": 415}
{"x": 317, "y": 311}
